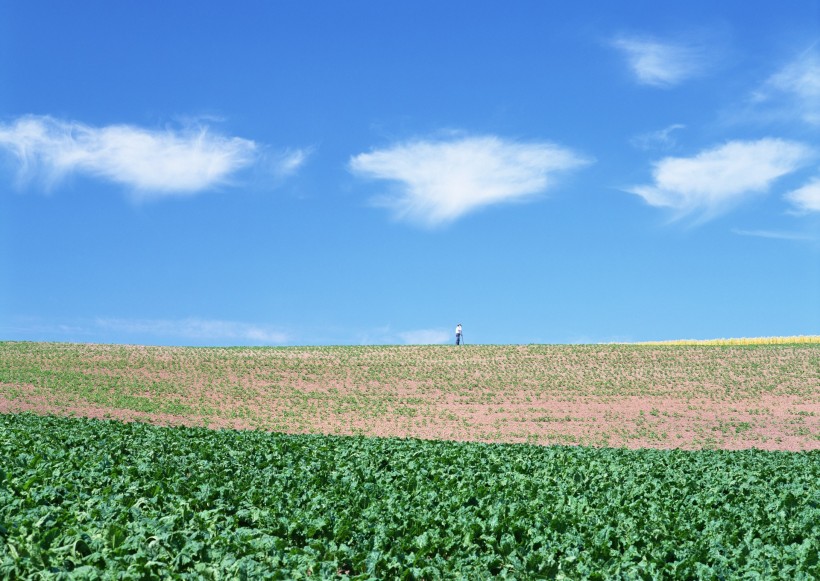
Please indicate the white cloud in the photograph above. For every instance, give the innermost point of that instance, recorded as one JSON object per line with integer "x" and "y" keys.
{"x": 662, "y": 64}
{"x": 290, "y": 161}
{"x": 387, "y": 335}
{"x": 661, "y": 139}
{"x": 216, "y": 331}
{"x": 795, "y": 88}
{"x": 806, "y": 198}
{"x": 425, "y": 337}
{"x": 149, "y": 162}
{"x": 773, "y": 234}
{"x": 717, "y": 179}
{"x": 440, "y": 181}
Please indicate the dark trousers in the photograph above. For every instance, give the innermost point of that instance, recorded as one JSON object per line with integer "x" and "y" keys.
{"x": 458, "y": 338}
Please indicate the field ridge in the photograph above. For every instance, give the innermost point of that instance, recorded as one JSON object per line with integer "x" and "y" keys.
{"x": 636, "y": 396}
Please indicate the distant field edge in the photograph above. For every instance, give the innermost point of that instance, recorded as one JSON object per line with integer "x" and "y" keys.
{"x": 731, "y": 342}
{"x": 799, "y": 339}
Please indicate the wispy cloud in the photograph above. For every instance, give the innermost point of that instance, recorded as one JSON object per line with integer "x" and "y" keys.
{"x": 387, "y": 335}
{"x": 662, "y": 64}
{"x": 718, "y": 179}
{"x": 794, "y": 90}
{"x": 425, "y": 337}
{"x": 774, "y": 234}
{"x": 441, "y": 180}
{"x": 148, "y": 162}
{"x": 661, "y": 139}
{"x": 290, "y": 161}
{"x": 807, "y": 198}
{"x": 203, "y": 330}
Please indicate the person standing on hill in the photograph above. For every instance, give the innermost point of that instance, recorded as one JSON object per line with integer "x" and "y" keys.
{"x": 459, "y": 340}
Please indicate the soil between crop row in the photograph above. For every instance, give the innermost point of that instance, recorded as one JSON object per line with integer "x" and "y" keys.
{"x": 769, "y": 423}
{"x": 648, "y": 397}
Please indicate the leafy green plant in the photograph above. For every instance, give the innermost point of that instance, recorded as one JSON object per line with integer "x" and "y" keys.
{"x": 90, "y": 498}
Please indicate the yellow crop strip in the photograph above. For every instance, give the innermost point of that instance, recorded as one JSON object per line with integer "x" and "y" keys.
{"x": 802, "y": 339}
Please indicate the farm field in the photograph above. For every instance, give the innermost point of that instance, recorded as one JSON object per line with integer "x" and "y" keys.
{"x": 87, "y": 499}
{"x": 335, "y": 465}
{"x": 764, "y": 396}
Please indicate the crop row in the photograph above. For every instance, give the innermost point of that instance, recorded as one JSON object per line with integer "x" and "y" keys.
{"x": 764, "y": 396}
{"x": 96, "y": 371}
{"x": 87, "y": 498}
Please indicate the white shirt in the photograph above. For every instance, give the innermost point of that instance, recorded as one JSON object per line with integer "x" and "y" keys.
{"x": 458, "y": 330}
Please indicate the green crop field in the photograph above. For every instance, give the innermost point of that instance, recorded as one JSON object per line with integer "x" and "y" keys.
{"x": 687, "y": 461}
{"x": 89, "y": 498}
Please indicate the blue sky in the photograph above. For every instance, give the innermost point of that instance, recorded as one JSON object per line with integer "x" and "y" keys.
{"x": 299, "y": 173}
